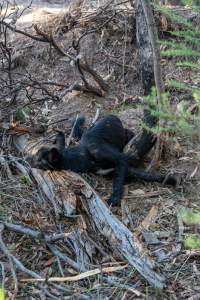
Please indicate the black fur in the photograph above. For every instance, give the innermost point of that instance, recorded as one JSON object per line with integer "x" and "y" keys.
{"x": 100, "y": 147}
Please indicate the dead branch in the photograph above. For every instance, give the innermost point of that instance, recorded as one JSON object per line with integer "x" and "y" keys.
{"x": 83, "y": 248}
{"x": 180, "y": 233}
{"x": 70, "y": 293}
{"x": 76, "y": 277}
{"x": 2, "y": 274}
{"x": 88, "y": 87}
{"x": 115, "y": 282}
{"x": 65, "y": 258}
{"x": 72, "y": 132}
{"x": 9, "y": 256}
{"x": 14, "y": 261}
{"x": 76, "y": 46}
{"x": 94, "y": 120}
{"x": 14, "y": 29}
{"x": 36, "y": 234}
{"x": 119, "y": 236}
{"x": 93, "y": 30}
{"x": 104, "y": 86}
{"x": 82, "y": 65}
{"x": 48, "y": 239}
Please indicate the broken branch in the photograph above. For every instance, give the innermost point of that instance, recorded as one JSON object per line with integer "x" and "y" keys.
{"x": 76, "y": 277}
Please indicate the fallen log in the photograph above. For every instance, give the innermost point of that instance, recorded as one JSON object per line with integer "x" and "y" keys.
{"x": 104, "y": 222}
{"x": 119, "y": 236}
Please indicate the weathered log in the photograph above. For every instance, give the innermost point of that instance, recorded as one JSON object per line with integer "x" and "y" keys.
{"x": 119, "y": 236}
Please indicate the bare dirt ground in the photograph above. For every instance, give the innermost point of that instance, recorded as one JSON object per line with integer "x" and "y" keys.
{"x": 112, "y": 52}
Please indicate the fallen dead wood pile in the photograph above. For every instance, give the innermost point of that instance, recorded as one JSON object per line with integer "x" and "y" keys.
{"x": 79, "y": 19}
{"x": 67, "y": 193}
{"x": 63, "y": 224}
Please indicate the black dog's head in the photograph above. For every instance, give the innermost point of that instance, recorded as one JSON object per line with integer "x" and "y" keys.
{"x": 46, "y": 158}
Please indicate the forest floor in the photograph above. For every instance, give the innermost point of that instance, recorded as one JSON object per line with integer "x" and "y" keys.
{"x": 112, "y": 52}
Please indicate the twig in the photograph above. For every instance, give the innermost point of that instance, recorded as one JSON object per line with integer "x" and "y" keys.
{"x": 2, "y": 274}
{"x": 180, "y": 226}
{"x": 71, "y": 133}
{"x": 88, "y": 87}
{"x": 100, "y": 249}
{"x": 10, "y": 259}
{"x": 24, "y": 33}
{"x": 112, "y": 280}
{"x": 64, "y": 257}
{"x": 20, "y": 266}
{"x": 35, "y": 233}
{"x": 24, "y": 269}
{"x": 71, "y": 294}
{"x": 95, "y": 117}
{"x": 94, "y": 30}
{"x": 58, "y": 121}
{"x": 60, "y": 267}
{"x": 179, "y": 237}
{"x": 76, "y": 277}
{"x": 67, "y": 90}
{"x": 47, "y": 293}
{"x": 104, "y": 86}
